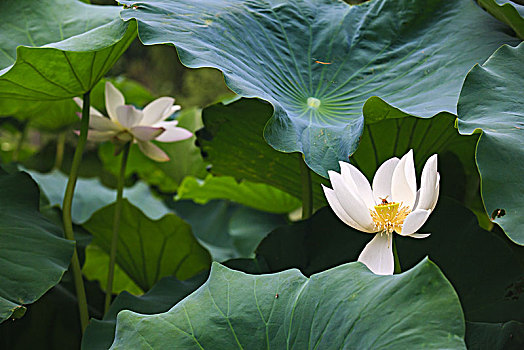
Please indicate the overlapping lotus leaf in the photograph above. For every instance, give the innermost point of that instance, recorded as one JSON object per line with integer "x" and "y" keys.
{"x": 91, "y": 195}
{"x": 33, "y": 254}
{"x": 492, "y": 102}
{"x": 318, "y": 61}
{"x": 147, "y": 249}
{"x": 56, "y": 49}
{"x": 164, "y": 295}
{"x": 508, "y": 12}
{"x": 345, "y": 307}
{"x": 229, "y": 230}
{"x": 250, "y": 157}
{"x": 254, "y": 195}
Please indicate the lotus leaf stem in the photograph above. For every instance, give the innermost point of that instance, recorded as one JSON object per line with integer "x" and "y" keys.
{"x": 66, "y": 214}
{"x": 60, "y": 147}
{"x": 307, "y": 189}
{"x": 395, "y": 256}
{"x": 116, "y": 227}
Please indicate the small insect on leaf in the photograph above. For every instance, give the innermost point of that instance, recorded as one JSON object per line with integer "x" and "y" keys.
{"x": 320, "y": 62}
{"x": 276, "y": 296}
{"x": 498, "y": 213}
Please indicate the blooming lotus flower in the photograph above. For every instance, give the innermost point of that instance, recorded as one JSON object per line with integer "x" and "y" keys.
{"x": 392, "y": 205}
{"x": 126, "y": 123}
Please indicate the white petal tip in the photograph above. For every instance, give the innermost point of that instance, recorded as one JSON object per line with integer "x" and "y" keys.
{"x": 377, "y": 255}
{"x": 419, "y": 235}
{"x": 332, "y": 173}
{"x": 414, "y": 221}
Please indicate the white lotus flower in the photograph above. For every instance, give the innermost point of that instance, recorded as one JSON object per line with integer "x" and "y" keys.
{"x": 393, "y": 205}
{"x": 126, "y": 123}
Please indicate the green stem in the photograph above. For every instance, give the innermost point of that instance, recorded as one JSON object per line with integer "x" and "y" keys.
{"x": 395, "y": 255}
{"x": 307, "y": 189}
{"x": 116, "y": 227}
{"x": 60, "y": 147}
{"x": 20, "y": 143}
{"x": 66, "y": 214}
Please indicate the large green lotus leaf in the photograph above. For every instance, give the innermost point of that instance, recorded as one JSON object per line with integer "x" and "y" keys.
{"x": 345, "y": 307}
{"x": 508, "y": 12}
{"x": 226, "y": 229}
{"x": 490, "y": 103}
{"x": 482, "y": 267}
{"x": 33, "y": 256}
{"x": 185, "y": 158}
{"x": 318, "y": 61}
{"x": 56, "y": 49}
{"x": 96, "y": 267}
{"x": 147, "y": 250}
{"x": 91, "y": 195}
{"x": 162, "y": 297}
{"x": 249, "y": 157}
{"x": 259, "y": 196}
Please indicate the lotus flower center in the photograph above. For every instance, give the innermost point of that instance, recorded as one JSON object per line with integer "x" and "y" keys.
{"x": 389, "y": 217}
